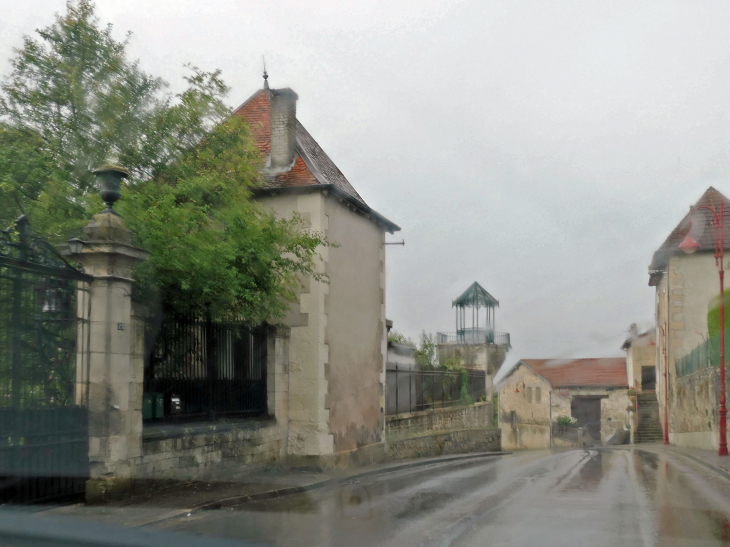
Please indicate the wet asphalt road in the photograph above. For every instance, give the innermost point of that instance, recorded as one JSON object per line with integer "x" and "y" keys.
{"x": 541, "y": 498}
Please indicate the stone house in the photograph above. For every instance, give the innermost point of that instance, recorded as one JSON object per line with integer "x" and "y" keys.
{"x": 685, "y": 284}
{"x": 594, "y": 391}
{"x": 642, "y": 371}
{"x": 337, "y": 342}
{"x": 641, "y": 362}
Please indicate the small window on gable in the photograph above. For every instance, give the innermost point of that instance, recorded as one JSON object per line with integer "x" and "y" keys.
{"x": 529, "y": 394}
{"x": 538, "y": 395}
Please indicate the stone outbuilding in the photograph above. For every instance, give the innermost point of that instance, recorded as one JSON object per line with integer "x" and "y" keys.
{"x": 593, "y": 391}
{"x": 337, "y": 347}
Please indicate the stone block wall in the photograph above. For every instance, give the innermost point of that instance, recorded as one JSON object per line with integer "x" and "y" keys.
{"x": 197, "y": 453}
{"x": 693, "y": 417}
{"x": 478, "y": 415}
{"x": 450, "y": 442}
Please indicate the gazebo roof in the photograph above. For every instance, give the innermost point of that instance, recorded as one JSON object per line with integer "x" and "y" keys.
{"x": 475, "y": 296}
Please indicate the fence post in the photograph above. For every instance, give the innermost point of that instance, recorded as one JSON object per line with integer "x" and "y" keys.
{"x": 397, "y": 408}
{"x": 115, "y": 371}
{"x": 410, "y": 390}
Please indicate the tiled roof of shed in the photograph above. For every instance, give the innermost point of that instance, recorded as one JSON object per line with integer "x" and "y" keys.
{"x": 597, "y": 372}
{"x": 703, "y": 233}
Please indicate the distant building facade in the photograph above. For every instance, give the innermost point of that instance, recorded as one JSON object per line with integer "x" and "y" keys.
{"x": 593, "y": 391}
{"x": 525, "y": 414}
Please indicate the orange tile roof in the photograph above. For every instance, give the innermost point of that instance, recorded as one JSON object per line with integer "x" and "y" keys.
{"x": 594, "y": 372}
{"x": 312, "y": 167}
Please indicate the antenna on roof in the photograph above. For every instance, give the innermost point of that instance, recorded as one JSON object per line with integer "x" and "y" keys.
{"x": 266, "y": 76}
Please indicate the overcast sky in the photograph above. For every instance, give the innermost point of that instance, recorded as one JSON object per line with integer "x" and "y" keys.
{"x": 543, "y": 149}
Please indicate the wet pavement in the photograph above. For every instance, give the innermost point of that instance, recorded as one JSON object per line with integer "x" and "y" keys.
{"x": 586, "y": 497}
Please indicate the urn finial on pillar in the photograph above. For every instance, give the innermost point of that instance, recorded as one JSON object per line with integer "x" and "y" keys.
{"x": 110, "y": 178}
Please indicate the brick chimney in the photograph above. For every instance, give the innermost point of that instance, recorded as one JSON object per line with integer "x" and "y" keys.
{"x": 283, "y": 128}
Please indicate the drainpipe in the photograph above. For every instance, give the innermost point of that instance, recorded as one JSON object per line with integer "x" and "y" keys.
{"x": 666, "y": 367}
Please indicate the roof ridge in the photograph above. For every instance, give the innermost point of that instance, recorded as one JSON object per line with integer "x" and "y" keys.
{"x": 658, "y": 258}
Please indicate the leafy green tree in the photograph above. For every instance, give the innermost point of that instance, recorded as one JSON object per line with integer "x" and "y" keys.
{"x": 426, "y": 357}
{"x": 464, "y": 396}
{"x": 74, "y": 101}
{"x": 398, "y": 338}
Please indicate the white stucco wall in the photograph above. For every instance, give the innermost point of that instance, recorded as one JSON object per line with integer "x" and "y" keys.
{"x": 338, "y": 339}
{"x": 356, "y": 333}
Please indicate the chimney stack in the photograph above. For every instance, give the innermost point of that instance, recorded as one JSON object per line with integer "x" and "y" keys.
{"x": 283, "y": 128}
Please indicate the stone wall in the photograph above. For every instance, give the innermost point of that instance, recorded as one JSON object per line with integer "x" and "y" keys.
{"x": 478, "y": 415}
{"x": 488, "y": 358}
{"x": 693, "y": 417}
{"x": 450, "y": 442}
{"x": 197, "y": 452}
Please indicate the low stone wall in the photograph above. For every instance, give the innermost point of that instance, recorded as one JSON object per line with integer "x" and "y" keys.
{"x": 478, "y": 415}
{"x": 196, "y": 452}
{"x": 450, "y": 442}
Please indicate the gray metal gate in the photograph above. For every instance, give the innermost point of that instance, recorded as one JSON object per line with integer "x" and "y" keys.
{"x": 44, "y": 304}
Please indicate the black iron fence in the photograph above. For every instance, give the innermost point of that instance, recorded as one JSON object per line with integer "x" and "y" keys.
{"x": 200, "y": 369}
{"x": 409, "y": 390}
{"x": 44, "y": 336}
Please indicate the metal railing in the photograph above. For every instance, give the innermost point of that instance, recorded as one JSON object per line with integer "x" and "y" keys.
{"x": 408, "y": 390}
{"x": 199, "y": 369}
{"x": 706, "y": 354}
{"x": 567, "y": 432}
{"x": 474, "y": 337}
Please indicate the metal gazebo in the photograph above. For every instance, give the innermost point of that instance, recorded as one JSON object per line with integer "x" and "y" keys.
{"x": 475, "y": 298}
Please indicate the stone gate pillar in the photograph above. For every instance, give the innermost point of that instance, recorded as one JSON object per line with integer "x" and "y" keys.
{"x": 115, "y": 367}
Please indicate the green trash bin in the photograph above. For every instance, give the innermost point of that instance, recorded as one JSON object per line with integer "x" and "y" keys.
{"x": 159, "y": 405}
{"x": 153, "y": 405}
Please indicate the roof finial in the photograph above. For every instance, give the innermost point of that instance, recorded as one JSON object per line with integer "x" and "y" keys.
{"x": 266, "y": 76}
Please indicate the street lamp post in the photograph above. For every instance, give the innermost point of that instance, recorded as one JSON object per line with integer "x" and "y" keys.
{"x": 689, "y": 245}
